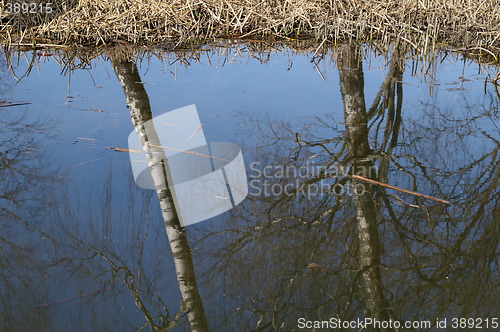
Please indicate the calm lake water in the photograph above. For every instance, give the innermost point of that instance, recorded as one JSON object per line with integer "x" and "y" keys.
{"x": 319, "y": 241}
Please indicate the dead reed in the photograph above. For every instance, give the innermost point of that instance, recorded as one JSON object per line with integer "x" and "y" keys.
{"x": 469, "y": 25}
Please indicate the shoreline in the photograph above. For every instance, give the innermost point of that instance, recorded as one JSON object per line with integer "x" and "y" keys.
{"x": 466, "y": 26}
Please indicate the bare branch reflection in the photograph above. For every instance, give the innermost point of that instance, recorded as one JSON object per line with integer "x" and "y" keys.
{"x": 326, "y": 247}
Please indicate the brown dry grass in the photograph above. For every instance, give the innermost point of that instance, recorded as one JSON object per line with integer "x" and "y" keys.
{"x": 472, "y": 25}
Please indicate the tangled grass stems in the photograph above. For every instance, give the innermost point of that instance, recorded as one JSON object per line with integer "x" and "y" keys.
{"x": 468, "y": 25}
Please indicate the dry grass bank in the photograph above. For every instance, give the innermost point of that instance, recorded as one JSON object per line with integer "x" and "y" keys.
{"x": 471, "y": 25}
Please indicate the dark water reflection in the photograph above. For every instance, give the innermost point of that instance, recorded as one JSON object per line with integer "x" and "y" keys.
{"x": 310, "y": 242}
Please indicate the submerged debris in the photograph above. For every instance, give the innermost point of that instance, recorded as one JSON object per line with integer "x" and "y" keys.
{"x": 14, "y": 103}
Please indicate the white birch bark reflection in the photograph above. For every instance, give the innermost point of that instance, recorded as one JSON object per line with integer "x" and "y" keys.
{"x": 352, "y": 90}
{"x": 140, "y": 112}
{"x": 205, "y": 179}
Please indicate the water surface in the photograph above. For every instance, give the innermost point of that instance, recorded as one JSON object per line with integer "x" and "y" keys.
{"x": 84, "y": 248}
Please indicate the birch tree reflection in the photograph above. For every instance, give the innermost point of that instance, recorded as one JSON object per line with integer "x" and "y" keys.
{"x": 352, "y": 91}
{"x": 382, "y": 255}
{"x": 140, "y": 112}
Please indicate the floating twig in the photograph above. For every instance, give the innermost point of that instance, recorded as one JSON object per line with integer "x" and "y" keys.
{"x": 173, "y": 125}
{"x": 14, "y": 103}
{"x": 125, "y": 150}
{"x": 166, "y": 148}
{"x": 197, "y": 130}
{"x": 399, "y": 189}
{"x": 189, "y": 152}
{"x": 71, "y": 298}
{"x": 86, "y": 162}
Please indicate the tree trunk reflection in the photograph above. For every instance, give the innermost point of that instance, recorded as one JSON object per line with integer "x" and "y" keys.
{"x": 140, "y": 112}
{"x": 352, "y": 90}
